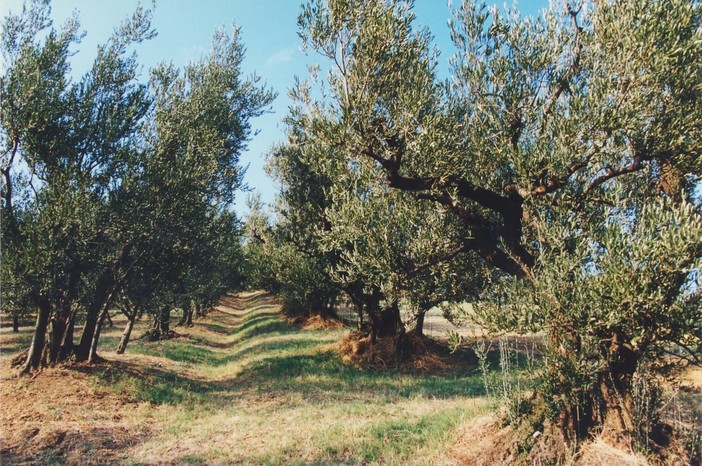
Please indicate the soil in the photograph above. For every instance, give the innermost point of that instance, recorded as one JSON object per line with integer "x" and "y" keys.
{"x": 47, "y": 418}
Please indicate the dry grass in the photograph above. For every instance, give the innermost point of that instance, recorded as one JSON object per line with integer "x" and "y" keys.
{"x": 412, "y": 353}
{"x": 318, "y": 322}
{"x": 598, "y": 452}
{"x": 241, "y": 386}
{"x": 245, "y": 386}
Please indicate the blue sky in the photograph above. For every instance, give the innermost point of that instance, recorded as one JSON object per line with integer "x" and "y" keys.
{"x": 269, "y": 32}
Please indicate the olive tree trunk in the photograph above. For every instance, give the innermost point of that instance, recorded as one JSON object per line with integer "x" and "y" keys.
{"x": 131, "y": 317}
{"x": 36, "y": 349}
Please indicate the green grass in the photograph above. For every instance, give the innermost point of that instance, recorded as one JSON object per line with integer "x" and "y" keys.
{"x": 260, "y": 391}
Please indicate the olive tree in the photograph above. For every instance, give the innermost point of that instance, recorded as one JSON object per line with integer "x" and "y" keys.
{"x": 540, "y": 115}
{"x": 63, "y": 146}
{"x": 115, "y": 190}
{"x": 183, "y": 190}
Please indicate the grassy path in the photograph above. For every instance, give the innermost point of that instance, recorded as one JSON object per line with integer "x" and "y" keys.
{"x": 242, "y": 386}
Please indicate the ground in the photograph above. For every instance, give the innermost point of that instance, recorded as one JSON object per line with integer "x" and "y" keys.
{"x": 242, "y": 386}
{"x": 246, "y": 386}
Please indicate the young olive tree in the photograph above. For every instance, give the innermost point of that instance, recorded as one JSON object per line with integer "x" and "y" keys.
{"x": 540, "y": 115}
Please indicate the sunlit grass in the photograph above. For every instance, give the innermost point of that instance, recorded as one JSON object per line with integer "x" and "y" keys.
{"x": 248, "y": 387}
{"x": 253, "y": 389}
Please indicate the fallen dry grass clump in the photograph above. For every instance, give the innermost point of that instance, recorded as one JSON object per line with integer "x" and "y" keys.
{"x": 406, "y": 351}
{"x": 317, "y": 322}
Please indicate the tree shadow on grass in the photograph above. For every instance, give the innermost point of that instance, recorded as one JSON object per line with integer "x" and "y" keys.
{"x": 269, "y": 355}
{"x": 13, "y": 343}
{"x": 215, "y": 328}
{"x": 141, "y": 383}
{"x": 317, "y": 377}
{"x": 321, "y": 376}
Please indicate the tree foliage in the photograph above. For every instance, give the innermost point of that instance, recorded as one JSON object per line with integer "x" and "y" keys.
{"x": 115, "y": 190}
{"x": 547, "y": 172}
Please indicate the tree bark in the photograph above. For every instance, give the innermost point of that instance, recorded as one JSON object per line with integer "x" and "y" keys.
{"x": 164, "y": 321}
{"x": 419, "y": 327}
{"x": 67, "y": 347}
{"x": 104, "y": 290}
{"x": 131, "y": 317}
{"x": 608, "y": 403}
{"x": 371, "y": 303}
{"x": 61, "y": 338}
{"x": 189, "y": 319}
{"x": 389, "y": 321}
{"x": 15, "y": 322}
{"x": 358, "y": 305}
{"x": 82, "y": 350}
{"x": 385, "y": 322}
{"x": 39, "y": 339}
{"x": 92, "y": 355}
{"x": 616, "y": 388}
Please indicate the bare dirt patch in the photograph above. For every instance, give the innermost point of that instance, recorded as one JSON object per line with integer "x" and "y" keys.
{"x": 60, "y": 415}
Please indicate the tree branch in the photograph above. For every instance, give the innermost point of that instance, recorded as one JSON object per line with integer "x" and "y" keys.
{"x": 635, "y": 165}
{"x": 562, "y": 83}
{"x": 492, "y": 234}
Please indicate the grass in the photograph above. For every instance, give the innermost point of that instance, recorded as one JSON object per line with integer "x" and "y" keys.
{"x": 244, "y": 386}
{"x": 260, "y": 391}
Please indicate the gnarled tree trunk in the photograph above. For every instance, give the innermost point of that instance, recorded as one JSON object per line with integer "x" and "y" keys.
{"x": 616, "y": 389}
{"x": 36, "y": 349}
{"x": 608, "y": 403}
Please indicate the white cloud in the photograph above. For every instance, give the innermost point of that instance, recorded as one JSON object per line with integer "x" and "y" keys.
{"x": 281, "y": 56}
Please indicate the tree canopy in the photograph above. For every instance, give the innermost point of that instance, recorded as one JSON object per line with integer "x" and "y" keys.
{"x": 115, "y": 189}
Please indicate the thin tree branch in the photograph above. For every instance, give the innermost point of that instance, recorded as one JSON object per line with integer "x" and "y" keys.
{"x": 635, "y": 165}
